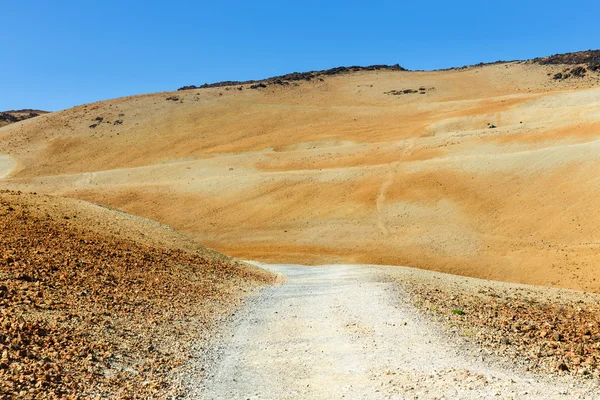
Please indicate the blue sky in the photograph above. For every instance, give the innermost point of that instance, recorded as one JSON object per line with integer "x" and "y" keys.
{"x": 58, "y": 54}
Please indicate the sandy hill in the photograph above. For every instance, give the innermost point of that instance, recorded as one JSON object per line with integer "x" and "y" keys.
{"x": 12, "y": 116}
{"x": 488, "y": 171}
{"x": 98, "y": 303}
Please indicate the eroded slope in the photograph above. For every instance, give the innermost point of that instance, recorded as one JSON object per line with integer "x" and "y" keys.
{"x": 484, "y": 171}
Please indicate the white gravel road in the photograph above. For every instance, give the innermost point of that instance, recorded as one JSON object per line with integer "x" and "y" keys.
{"x": 346, "y": 332}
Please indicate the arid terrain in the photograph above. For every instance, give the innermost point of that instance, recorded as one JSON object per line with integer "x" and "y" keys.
{"x": 98, "y": 303}
{"x": 349, "y": 331}
{"x": 487, "y": 171}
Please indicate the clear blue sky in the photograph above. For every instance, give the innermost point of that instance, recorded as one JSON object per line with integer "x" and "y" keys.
{"x": 58, "y": 54}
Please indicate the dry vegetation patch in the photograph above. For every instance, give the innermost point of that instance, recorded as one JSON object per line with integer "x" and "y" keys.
{"x": 85, "y": 315}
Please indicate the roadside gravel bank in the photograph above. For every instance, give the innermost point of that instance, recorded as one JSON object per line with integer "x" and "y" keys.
{"x": 554, "y": 331}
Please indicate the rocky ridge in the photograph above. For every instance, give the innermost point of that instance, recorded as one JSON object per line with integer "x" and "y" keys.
{"x": 589, "y": 59}
{"x": 296, "y": 76}
{"x": 583, "y": 61}
{"x": 12, "y": 116}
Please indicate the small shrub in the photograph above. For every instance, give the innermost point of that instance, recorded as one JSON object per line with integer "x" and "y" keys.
{"x": 458, "y": 312}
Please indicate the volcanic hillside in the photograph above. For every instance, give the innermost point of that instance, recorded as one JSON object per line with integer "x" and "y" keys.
{"x": 12, "y": 116}
{"x": 98, "y": 303}
{"x": 489, "y": 171}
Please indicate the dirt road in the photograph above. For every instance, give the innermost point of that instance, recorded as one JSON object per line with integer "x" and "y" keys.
{"x": 345, "y": 331}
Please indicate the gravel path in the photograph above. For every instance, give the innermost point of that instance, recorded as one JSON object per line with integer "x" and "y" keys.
{"x": 345, "y": 331}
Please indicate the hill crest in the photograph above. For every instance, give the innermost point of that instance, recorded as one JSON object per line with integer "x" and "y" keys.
{"x": 590, "y": 58}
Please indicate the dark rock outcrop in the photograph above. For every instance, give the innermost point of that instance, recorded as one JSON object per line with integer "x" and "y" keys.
{"x": 579, "y": 72}
{"x": 258, "y": 86}
{"x": 8, "y": 118}
{"x": 590, "y": 58}
{"x": 12, "y": 116}
{"x": 421, "y": 90}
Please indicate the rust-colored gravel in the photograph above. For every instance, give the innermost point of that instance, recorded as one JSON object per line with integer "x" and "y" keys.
{"x": 87, "y": 315}
{"x": 543, "y": 329}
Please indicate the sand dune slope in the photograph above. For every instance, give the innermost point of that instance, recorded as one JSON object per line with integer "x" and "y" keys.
{"x": 489, "y": 171}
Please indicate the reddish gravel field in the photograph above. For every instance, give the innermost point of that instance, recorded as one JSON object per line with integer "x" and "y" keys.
{"x": 85, "y": 314}
{"x": 548, "y": 330}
